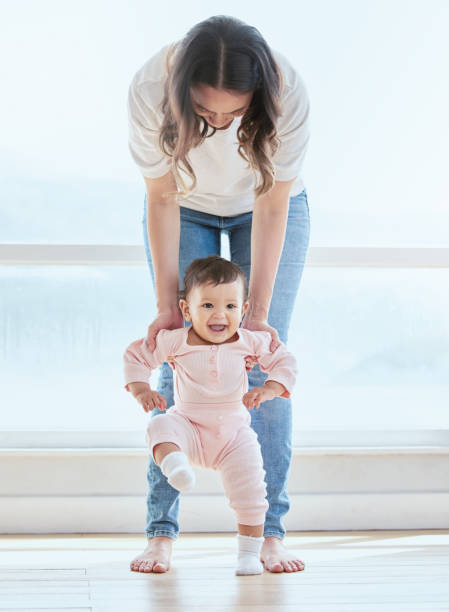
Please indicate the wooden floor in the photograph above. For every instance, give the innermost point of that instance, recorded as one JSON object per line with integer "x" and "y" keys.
{"x": 360, "y": 571}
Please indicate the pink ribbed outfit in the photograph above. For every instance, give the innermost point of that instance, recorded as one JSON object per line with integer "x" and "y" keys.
{"x": 208, "y": 420}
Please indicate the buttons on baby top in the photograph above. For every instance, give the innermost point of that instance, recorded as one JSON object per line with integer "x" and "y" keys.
{"x": 219, "y": 431}
{"x": 213, "y": 362}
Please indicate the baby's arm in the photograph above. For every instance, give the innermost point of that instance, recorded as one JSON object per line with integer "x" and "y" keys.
{"x": 148, "y": 399}
{"x": 268, "y": 391}
{"x": 281, "y": 367}
{"x": 280, "y": 364}
{"x": 277, "y": 387}
{"x": 139, "y": 362}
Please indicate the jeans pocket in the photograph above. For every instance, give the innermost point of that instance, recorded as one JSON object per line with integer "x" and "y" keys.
{"x": 144, "y": 213}
{"x": 299, "y": 206}
{"x": 307, "y": 202}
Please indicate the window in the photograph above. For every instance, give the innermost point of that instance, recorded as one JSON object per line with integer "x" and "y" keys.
{"x": 372, "y": 341}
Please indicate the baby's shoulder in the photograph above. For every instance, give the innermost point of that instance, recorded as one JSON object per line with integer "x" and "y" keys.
{"x": 171, "y": 339}
{"x": 255, "y": 339}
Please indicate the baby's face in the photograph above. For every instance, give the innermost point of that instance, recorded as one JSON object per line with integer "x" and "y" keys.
{"x": 215, "y": 311}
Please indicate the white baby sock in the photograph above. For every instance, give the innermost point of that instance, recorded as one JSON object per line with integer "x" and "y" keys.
{"x": 178, "y": 471}
{"x": 248, "y": 561}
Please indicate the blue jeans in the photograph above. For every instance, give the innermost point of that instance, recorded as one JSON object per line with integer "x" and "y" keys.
{"x": 200, "y": 236}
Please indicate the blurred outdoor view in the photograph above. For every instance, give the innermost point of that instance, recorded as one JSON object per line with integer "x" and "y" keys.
{"x": 372, "y": 347}
{"x": 372, "y": 343}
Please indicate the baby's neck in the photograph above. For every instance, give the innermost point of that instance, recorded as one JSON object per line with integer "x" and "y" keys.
{"x": 195, "y": 340}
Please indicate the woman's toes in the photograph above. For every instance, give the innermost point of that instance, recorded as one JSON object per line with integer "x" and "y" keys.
{"x": 292, "y": 565}
{"x": 145, "y": 566}
{"x": 275, "y": 567}
{"x": 135, "y": 565}
{"x": 159, "y": 567}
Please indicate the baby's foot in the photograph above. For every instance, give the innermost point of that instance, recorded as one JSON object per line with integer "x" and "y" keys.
{"x": 248, "y": 558}
{"x": 248, "y": 566}
{"x": 175, "y": 466}
{"x": 156, "y": 556}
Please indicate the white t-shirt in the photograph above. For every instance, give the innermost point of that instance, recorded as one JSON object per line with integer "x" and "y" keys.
{"x": 225, "y": 183}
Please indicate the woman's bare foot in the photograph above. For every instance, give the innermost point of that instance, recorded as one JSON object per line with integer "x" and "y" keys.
{"x": 156, "y": 556}
{"x": 276, "y": 557}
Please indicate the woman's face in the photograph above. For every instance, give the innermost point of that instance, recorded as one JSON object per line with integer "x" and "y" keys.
{"x": 219, "y": 107}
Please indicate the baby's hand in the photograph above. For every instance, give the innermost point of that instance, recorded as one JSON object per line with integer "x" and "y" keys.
{"x": 250, "y": 362}
{"x": 150, "y": 400}
{"x": 258, "y": 395}
{"x": 171, "y": 362}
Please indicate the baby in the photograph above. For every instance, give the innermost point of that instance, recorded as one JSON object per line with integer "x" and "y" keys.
{"x": 209, "y": 423}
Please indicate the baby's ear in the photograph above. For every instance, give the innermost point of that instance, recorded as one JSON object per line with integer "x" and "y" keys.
{"x": 184, "y": 307}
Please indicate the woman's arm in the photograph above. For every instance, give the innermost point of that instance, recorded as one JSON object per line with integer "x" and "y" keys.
{"x": 163, "y": 227}
{"x": 269, "y": 223}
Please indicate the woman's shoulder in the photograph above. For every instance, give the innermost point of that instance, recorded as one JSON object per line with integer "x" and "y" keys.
{"x": 255, "y": 338}
{"x": 294, "y": 97}
{"x": 148, "y": 82}
{"x": 154, "y": 69}
{"x": 293, "y": 81}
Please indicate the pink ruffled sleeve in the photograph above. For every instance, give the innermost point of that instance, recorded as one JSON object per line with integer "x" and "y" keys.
{"x": 281, "y": 365}
{"x": 139, "y": 361}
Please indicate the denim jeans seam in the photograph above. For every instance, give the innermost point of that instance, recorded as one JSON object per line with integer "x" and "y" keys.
{"x": 161, "y": 532}
{"x": 273, "y": 534}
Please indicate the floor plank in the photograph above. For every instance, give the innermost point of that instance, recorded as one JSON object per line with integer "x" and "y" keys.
{"x": 370, "y": 571}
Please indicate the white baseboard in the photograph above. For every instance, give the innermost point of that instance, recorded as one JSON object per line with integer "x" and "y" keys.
{"x": 205, "y": 513}
{"x": 104, "y": 491}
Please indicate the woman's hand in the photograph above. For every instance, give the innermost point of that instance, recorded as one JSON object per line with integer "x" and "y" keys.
{"x": 166, "y": 319}
{"x": 250, "y": 322}
{"x": 257, "y": 395}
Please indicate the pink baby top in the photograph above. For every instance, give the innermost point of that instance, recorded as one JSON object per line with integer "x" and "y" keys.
{"x": 207, "y": 374}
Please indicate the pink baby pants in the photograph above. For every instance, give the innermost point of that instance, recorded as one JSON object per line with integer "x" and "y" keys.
{"x": 218, "y": 436}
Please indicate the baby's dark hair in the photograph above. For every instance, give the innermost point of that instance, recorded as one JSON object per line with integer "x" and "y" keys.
{"x": 213, "y": 269}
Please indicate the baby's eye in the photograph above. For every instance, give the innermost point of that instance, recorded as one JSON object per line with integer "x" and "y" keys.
{"x": 207, "y": 304}
{"x": 232, "y": 305}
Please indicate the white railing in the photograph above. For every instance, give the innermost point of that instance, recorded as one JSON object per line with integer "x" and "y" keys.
{"x": 134, "y": 255}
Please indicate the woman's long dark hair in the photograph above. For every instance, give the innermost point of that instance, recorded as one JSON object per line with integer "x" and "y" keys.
{"x": 224, "y": 53}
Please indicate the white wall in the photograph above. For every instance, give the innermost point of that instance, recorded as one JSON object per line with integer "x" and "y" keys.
{"x": 376, "y": 74}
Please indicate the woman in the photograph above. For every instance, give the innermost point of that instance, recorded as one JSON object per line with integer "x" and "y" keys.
{"x": 218, "y": 126}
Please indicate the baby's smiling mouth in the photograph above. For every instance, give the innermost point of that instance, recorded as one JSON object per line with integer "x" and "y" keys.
{"x": 217, "y": 328}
